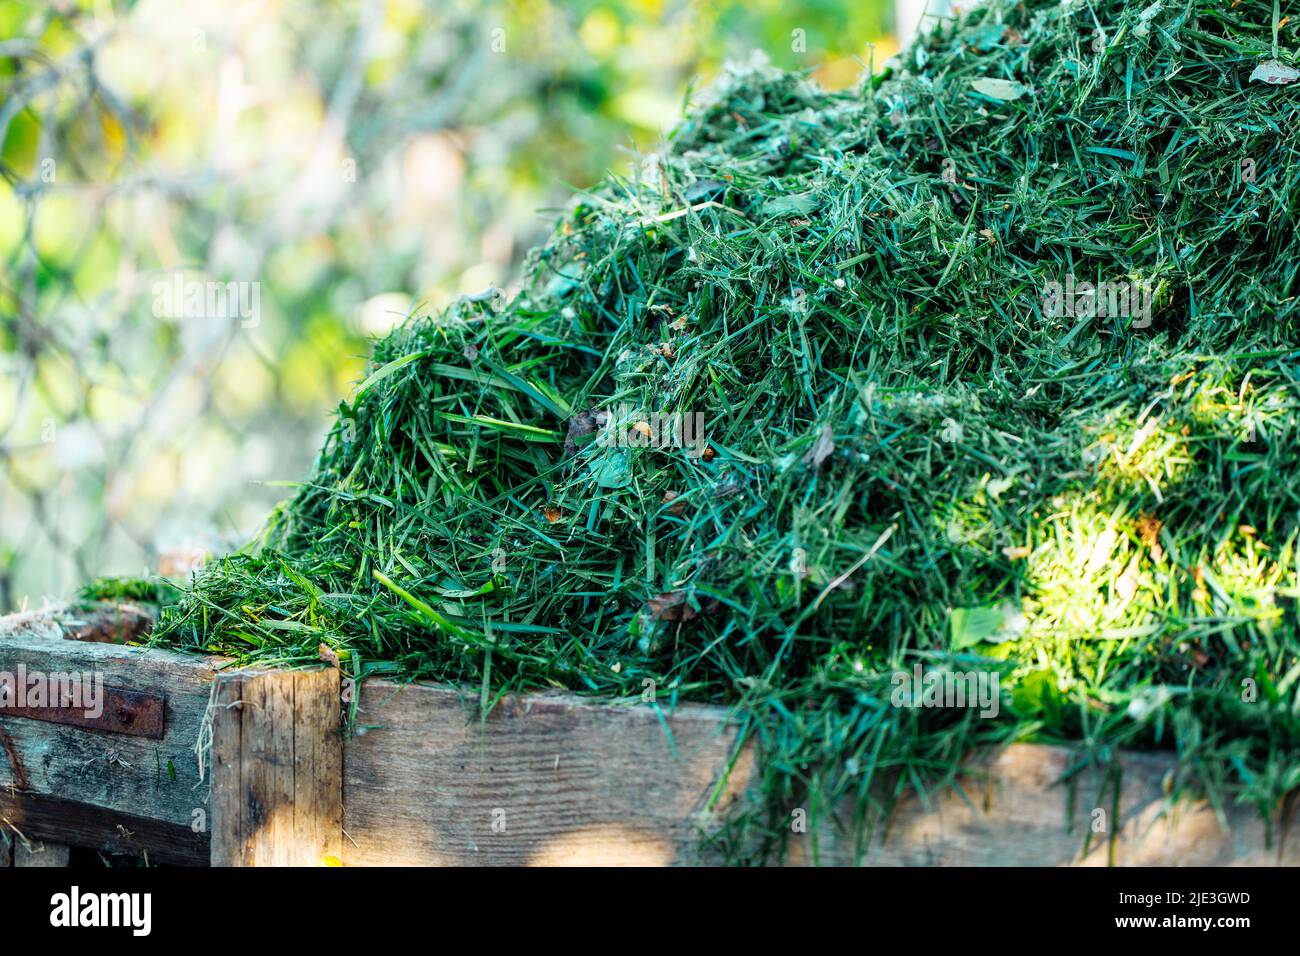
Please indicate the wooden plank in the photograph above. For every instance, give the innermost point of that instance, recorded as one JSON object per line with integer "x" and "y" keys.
{"x": 1016, "y": 808}
{"x": 277, "y": 789}
{"x": 227, "y": 790}
{"x": 558, "y": 779}
{"x": 51, "y": 819}
{"x": 124, "y": 775}
{"x": 318, "y": 762}
{"x": 260, "y": 806}
{"x": 283, "y": 760}
{"x": 546, "y": 779}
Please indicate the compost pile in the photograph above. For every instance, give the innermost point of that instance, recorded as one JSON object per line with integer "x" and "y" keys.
{"x": 898, "y": 448}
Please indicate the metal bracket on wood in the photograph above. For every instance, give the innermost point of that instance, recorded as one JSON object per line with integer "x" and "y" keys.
{"x": 120, "y": 712}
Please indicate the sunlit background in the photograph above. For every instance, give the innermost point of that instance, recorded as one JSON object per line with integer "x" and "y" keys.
{"x": 351, "y": 161}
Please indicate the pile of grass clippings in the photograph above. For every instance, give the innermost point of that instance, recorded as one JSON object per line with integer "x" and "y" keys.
{"x": 911, "y": 454}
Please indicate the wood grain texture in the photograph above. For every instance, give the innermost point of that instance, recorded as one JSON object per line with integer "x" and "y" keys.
{"x": 545, "y": 779}
{"x": 318, "y": 762}
{"x": 1030, "y": 805}
{"x": 142, "y": 777}
{"x": 555, "y": 779}
{"x": 277, "y": 756}
{"x": 227, "y": 786}
{"x": 43, "y": 818}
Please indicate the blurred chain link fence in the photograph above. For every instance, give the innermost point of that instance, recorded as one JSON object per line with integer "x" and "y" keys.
{"x": 207, "y": 209}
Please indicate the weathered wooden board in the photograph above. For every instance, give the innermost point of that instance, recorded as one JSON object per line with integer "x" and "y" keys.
{"x": 546, "y": 779}
{"x": 550, "y": 779}
{"x": 277, "y": 792}
{"x": 1015, "y": 810}
{"x": 40, "y": 818}
{"x": 134, "y": 777}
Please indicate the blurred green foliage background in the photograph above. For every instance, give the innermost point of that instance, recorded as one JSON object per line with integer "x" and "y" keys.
{"x": 355, "y": 160}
